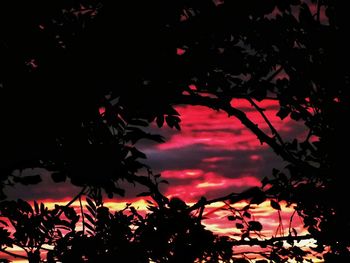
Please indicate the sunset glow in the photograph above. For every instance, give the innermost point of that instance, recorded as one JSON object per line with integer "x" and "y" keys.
{"x": 174, "y": 131}
{"x": 216, "y": 155}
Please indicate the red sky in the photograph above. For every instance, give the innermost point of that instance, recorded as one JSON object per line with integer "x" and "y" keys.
{"x": 215, "y": 155}
{"x": 212, "y": 156}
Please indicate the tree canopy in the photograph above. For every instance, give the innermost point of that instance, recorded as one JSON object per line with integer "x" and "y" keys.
{"x": 80, "y": 82}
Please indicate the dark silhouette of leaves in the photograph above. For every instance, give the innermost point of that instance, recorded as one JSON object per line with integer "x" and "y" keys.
{"x": 79, "y": 90}
{"x": 254, "y": 226}
{"x": 275, "y": 205}
{"x": 239, "y": 225}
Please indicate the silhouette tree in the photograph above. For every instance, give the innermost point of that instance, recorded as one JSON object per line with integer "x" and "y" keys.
{"x": 81, "y": 79}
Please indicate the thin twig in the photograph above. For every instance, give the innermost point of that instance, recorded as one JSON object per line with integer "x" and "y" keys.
{"x": 208, "y": 202}
{"x": 218, "y": 104}
{"x": 275, "y": 74}
{"x": 73, "y": 200}
{"x": 82, "y": 214}
{"x": 291, "y": 221}
{"x": 281, "y": 223}
{"x": 242, "y": 216}
{"x": 201, "y": 208}
{"x": 146, "y": 181}
{"x": 272, "y": 128}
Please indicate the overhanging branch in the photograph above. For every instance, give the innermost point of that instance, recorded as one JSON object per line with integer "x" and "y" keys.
{"x": 224, "y": 105}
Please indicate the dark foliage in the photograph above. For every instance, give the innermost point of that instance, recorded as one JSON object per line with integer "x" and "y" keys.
{"x": 79, "y": 81}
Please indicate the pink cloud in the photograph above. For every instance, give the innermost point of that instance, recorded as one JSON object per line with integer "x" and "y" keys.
{"x": 182, "y": 174}
{"x": 205, "y": 182}
{"x": 255, "y": 157}
{"x": 214, "y": 139}
{"x": 215, "y": 159}
{"x": 204, "y": 126}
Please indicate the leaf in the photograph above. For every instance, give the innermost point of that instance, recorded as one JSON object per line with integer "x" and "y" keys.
{"x": 90, "y": 227}
{"x": 177, "y": 126}
{"x": 255, "y": 226}
{"x": 305, "y": 15}
{"x": 246, "y": 214}
{"x": 70, "y": 213}
{"x": 160, "y": 120}
{"x": 24, "y": 206}
{"x": 258, "y": 197}
{"x": 275, "y": 205}
{"x": 134, "y": 134}
{"x": 137, "y": 154}
{"x": 64, "y": 223}
{"x": 265, "y": 181}
{"x": 36, "y": 207}
{"x": 173, "y": 121}
{"x": 239, "y": 225}
{"x": 283, "y": 113}
{"x": 295, "y": 116}
{"x": 91, "y": 233}
{"x": 92, "y": 212}
{"x": 246, "y": 207}
{"x": 171, "y": 111}
{"x": 231, "y": 218}
{"x": 89, "y": 217}
{"x": 91, "y": 204}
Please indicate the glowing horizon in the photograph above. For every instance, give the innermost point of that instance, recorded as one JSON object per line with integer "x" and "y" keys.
{"x": 212, "y": 156}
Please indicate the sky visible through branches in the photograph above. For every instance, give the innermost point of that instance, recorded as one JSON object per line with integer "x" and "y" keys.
{"x": 212, "y": 156}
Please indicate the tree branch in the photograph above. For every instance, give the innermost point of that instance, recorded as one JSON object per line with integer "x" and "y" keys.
{"x": 73, "y": 200}
{"x": 261, "y": 111}
{"x": 233, "y": 198}
{"x": 275, "y": 74}
{"x": 143, "y": 180}
{"x": 203, "y": 202}
{"x": 219, "y": 104}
